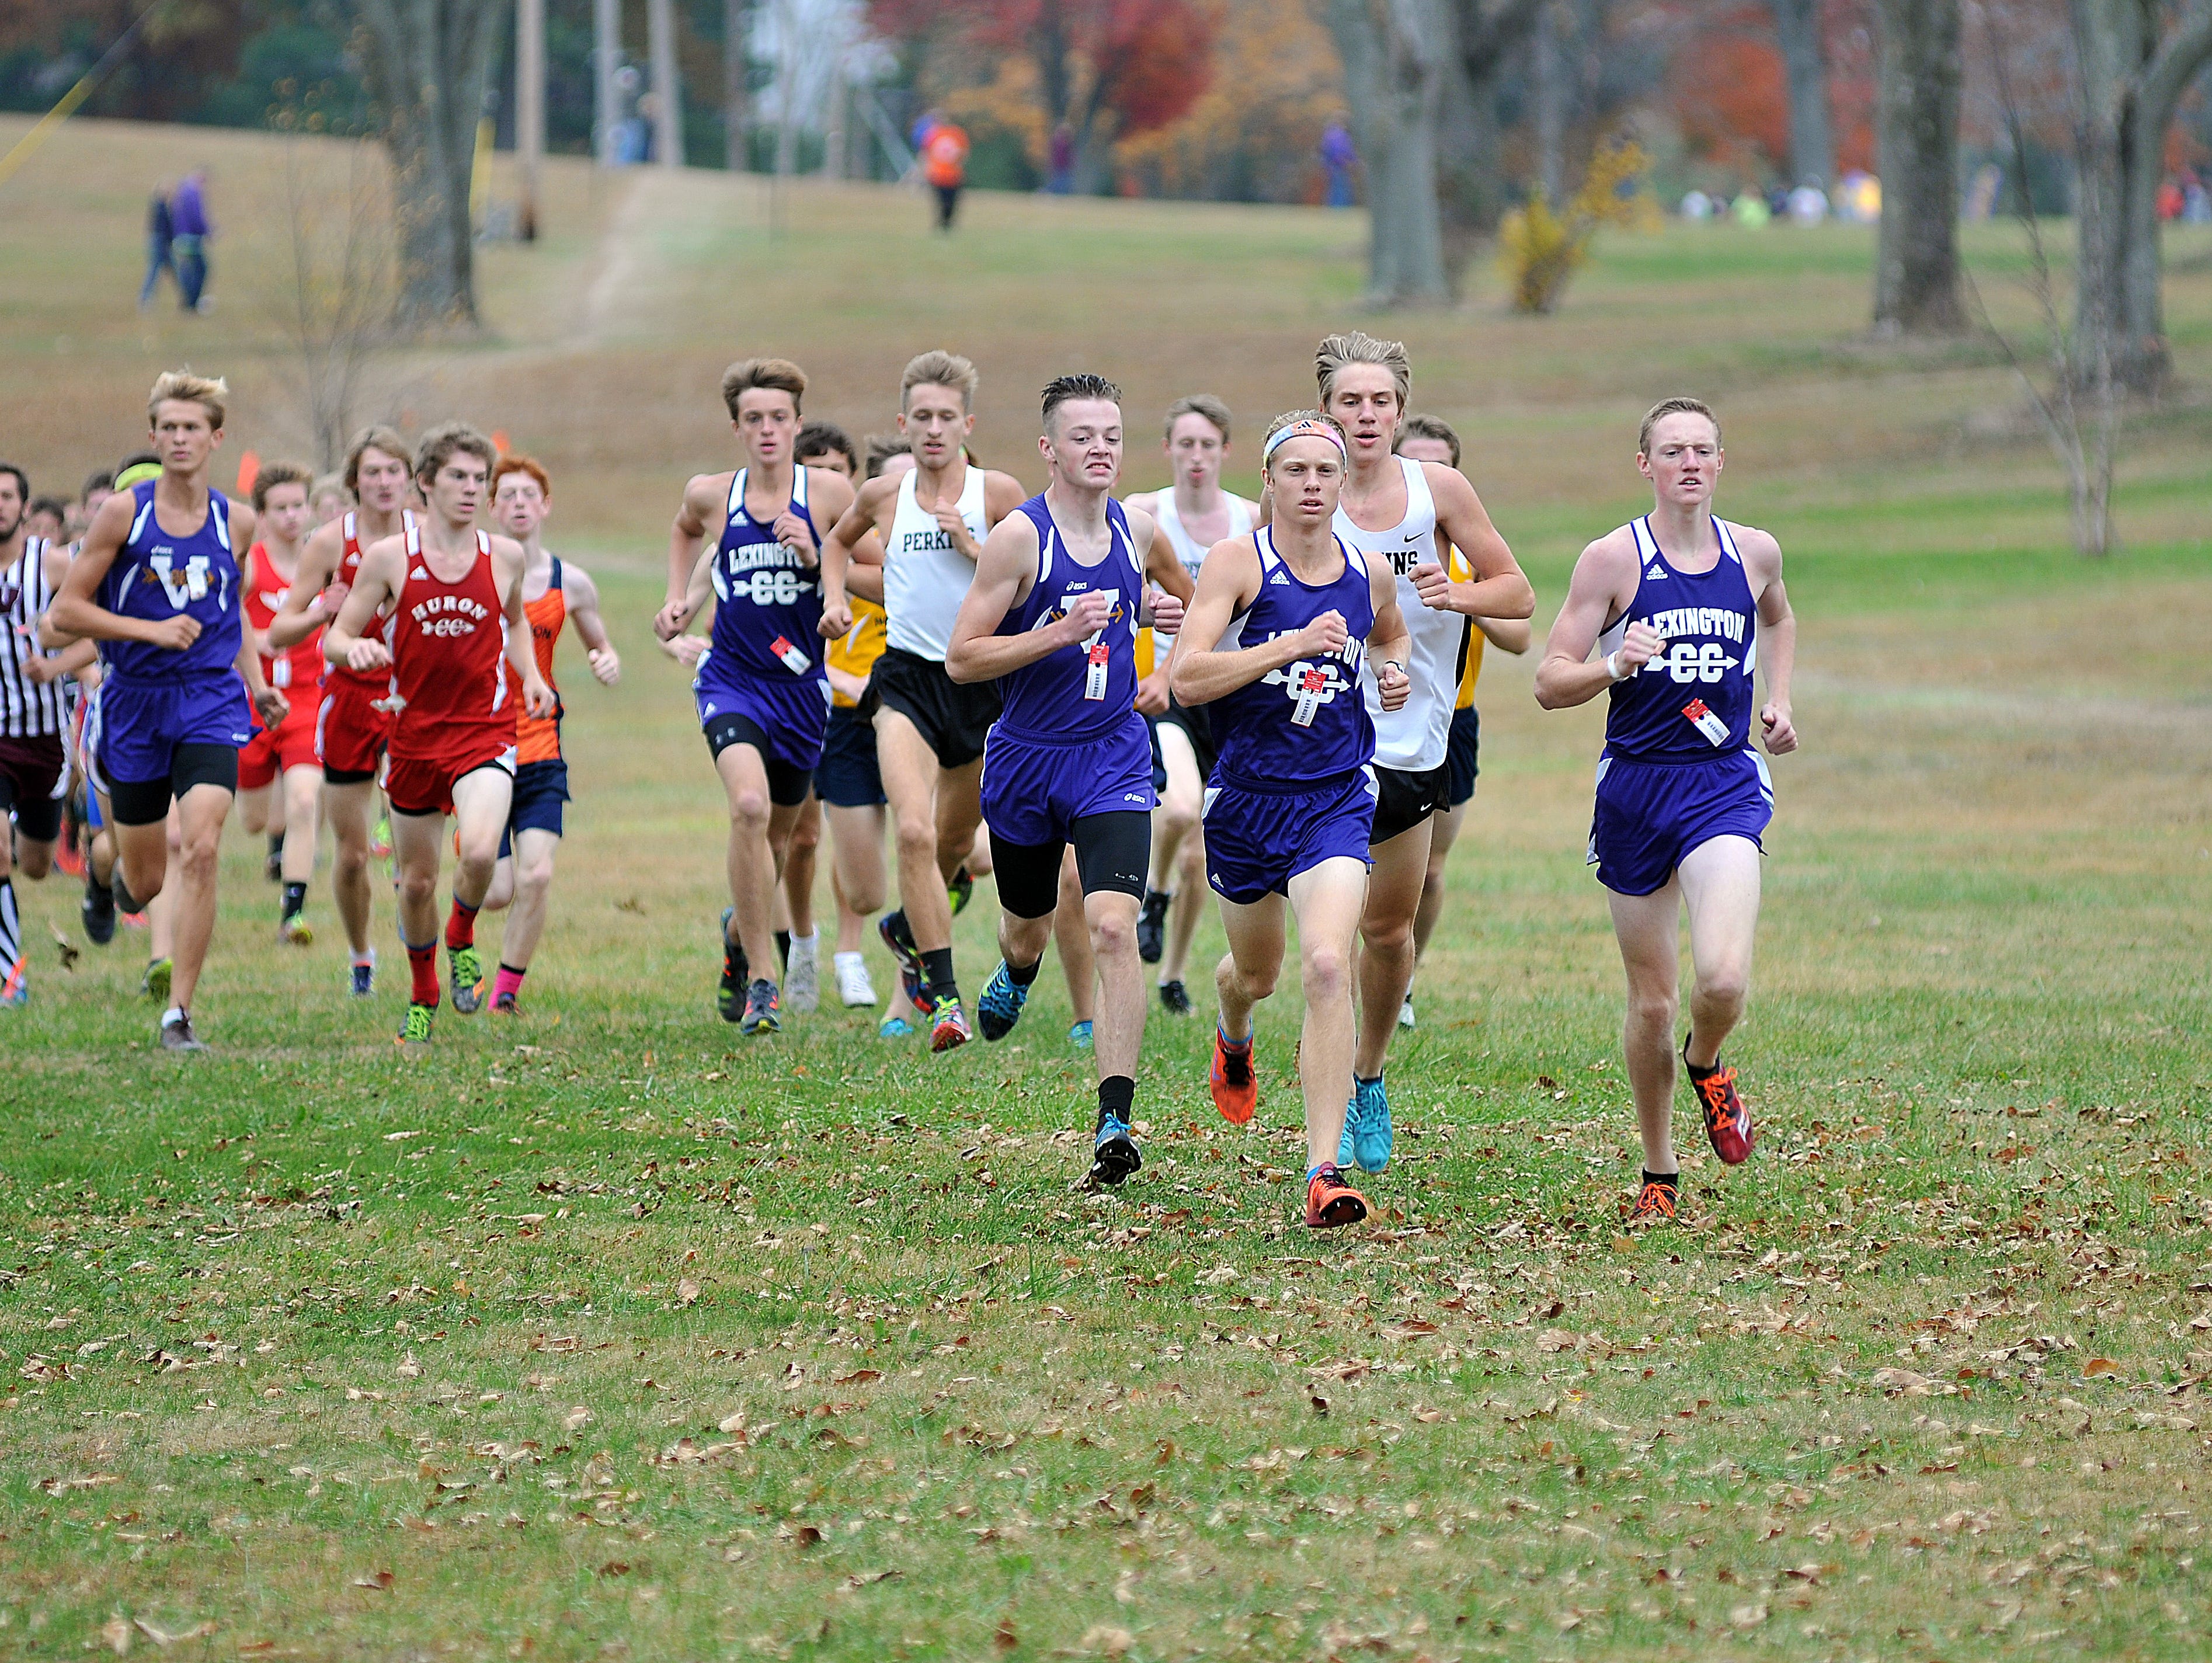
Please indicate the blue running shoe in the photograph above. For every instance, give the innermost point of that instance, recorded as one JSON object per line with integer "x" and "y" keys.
{"x": 1080, "y": 1036}
{"x": 894, "y": 1028}
{"x": 1114, "y": 1156}
{"x": 1366, "y": 1141}
{"x": 1000, "y": 1007}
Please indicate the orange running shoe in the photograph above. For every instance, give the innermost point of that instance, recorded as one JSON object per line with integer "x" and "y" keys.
{"x": 1330, "y": 1201}
{"x": 1728, "y": 1119}
{"x": 1655, "y": 1205}
{"x": 1236, "y": 1092}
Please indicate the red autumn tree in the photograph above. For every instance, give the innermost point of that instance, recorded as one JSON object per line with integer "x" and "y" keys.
{"x": 1104, "y": 68}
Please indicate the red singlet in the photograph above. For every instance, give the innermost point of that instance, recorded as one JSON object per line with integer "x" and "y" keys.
{"x": 449, "y": 661}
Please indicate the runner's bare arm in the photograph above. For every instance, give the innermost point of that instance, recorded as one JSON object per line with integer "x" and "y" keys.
{"x": 1500, "y": 589}
{"x": 1777, "y": 636}
{"x": 863, "y": 576}
{"x": 1228, "y": 581}
{"x": 704, "y": 497}
{"x": 269, "y": 703}
{"x": 1390, "y": 641}
{"x": 1158, "y": 557}
{"x": 1602, "y": 587}
{"x": 857, "y": 521}
{"x": 1161, "y": 566}
{"x": 507, "y": 561}
{"x": 581, "y": 596}
{"x": 826, "y": 489}
{"x": 75, "y": 615}
{"x": 1506, "y": 635}
{"x": 77, "y": 655}
{"x": 376, "y": 579}
{"x": 1002, "y": 494}
{"x": 1004, "y": 574}
{"x": 315, "y": 596}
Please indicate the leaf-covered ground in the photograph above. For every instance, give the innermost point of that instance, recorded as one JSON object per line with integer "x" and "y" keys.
{"x": 605, "y": 1334}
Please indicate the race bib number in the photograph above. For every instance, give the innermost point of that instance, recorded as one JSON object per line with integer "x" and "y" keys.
{"x": 1311, "y": 693}
{"x": 1094, "y": 676}
{"x": 1699, "y": 715}
{"x": 794, "y": 660}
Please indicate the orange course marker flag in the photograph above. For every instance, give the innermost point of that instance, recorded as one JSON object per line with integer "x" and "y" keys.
{"x": 249, "y": 469}
{"x": 499, "y": 441}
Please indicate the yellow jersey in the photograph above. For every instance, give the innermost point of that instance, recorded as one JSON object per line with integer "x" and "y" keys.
{"x": 856, "y": 651}
{"x": 1456, "y": 565}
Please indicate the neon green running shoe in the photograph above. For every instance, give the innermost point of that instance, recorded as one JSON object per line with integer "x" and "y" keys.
{"x": 468, "y": 977}
{"x": 155, "y": 983}
{"x": 416, "y": 1029}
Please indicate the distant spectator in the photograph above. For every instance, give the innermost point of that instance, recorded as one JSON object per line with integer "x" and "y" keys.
{"x": 1697, "y": 206}
{"x": 188, "y": 218}
{"x": 945, "y": 166}
{"x": 2196, "y": 202}
{"x": 2169, "y": 198}
{"x": 160, "y": 246}
{"x": 1751, "y": 209}
{"x": 1061, "y": 180}
{"x": 1808, "y": 203}
{"x": 48, "y": 517}
{"x": 1339, "y": 156}
{"x": 1858, "y": 197}
{"x": 1981, "y": 192}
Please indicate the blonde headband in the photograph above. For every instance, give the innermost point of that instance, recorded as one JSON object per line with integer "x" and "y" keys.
{"x": 1306, "y": 429}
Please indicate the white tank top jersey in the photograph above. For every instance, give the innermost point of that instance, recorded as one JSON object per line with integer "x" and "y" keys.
{"x": 925, "y": 577}
{"x": 1415, "y": 737}
{"x": 1187, "y": 549}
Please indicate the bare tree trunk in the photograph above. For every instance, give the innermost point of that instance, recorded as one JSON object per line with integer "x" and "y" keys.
{"x": 1486, "y": 38}
{"x": 1919, "y": 67}
{"x": 2133, "y": 76}
{"x": 606, "y": 53}
{"x": 529, "y": 107}
{"x": 1812, "y": 149}
{"x": 736, "y": 62}
{"x": 1551, "y": 90}
{"x": 427, "y": 66}
{"x": 667, "y": 83}
{"x": 1393, "y": 52}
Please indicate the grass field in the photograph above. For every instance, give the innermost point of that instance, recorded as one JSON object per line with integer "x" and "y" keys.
{"x": 606, "y": 1335}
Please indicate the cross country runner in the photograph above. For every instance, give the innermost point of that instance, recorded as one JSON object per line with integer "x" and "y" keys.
{"x": 352, "y": 725}
{"x": 1431, "y": 439}
{"x": 1274, "y": 643}
{"x": 1053, "y": 617}
{"x": 281, "y": 762}
{"x": 849, "y": 781}
{"x": 1195, "y": 513}
{"x": 763, "y": 698}
{"x": 157, "y": 579}
{"x": 438, "y": 610}
{"x": 555, "y": 591}
{"x": 1676, "y": 602}
{"x": 929, "y": 731}
{"x": 35, "y": 717}
{"x": 1395, "y": 510}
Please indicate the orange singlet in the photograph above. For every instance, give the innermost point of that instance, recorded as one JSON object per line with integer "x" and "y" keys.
{"x": 538, "y": 738}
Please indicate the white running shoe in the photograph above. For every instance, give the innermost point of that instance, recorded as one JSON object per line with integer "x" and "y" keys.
{"x": 1405, "y": 1012}
{"x": 802, "y": 973}
{"x": 853, "y": 984}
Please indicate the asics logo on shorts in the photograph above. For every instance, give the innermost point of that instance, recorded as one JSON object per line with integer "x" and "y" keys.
{"x": 192, "y": 586}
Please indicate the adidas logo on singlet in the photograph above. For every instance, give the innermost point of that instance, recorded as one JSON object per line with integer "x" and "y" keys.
{"x": 1655, "y": 574}
{"x": 1276, "y": 576}
{"x": 418, "y": 575}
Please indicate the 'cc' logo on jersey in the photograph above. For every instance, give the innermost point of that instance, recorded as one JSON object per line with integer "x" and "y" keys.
{"x": 763, "y": 587}
{"x": 1695, "y": 662}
